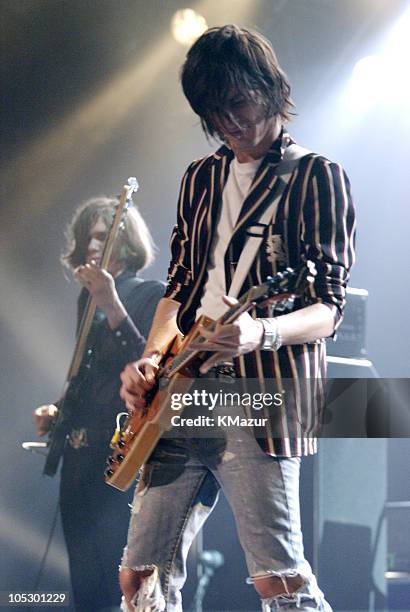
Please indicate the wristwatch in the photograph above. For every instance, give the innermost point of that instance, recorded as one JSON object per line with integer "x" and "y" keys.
{"x": 272, "y": 340}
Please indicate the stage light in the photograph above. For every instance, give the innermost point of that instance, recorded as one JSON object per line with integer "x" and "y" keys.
{"x": 187, "y": 25}
{"x": 397, "y": 54}
{"x": 366, "y": 72}
{"x": 384, "y": 78}
{"x": 398, "y": 43}
{"x": 367, "y": 81}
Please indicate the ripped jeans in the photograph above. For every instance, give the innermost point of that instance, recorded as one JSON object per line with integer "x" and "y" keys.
{"x": 177, "y": 492}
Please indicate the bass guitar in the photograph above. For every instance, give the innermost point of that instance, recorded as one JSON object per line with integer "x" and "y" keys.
{"x": 77, "y": 371}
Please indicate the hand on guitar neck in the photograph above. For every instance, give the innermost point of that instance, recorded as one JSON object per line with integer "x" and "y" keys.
{"x": 230, "y": 340}
{"x": 101, "y": 287}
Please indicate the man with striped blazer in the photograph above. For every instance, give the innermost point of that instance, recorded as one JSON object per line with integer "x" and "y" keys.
{"x": 233, "y": 82}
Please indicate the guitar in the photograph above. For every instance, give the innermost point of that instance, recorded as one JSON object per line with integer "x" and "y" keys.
{"x": 77, "y": 371}
{"x": 134, "y": 442}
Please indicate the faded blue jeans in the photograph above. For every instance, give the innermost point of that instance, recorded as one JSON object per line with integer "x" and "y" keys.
{"x": 176, "y": 494}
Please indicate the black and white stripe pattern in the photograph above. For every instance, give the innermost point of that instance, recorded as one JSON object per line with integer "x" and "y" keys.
{"x": 314, "y": 220}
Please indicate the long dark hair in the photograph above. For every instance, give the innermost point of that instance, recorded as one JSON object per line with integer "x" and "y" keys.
{"x": 233, "y": 59}
{"x": 133, "y": 248}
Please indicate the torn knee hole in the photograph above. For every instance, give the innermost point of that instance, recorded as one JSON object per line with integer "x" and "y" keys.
{"x": 142, "y": 589}
{"x": 275, "y": 584}
{"x": 131, "y": 578}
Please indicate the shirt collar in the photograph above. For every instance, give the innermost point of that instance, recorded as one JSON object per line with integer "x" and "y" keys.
{"x": 124, "y": 276}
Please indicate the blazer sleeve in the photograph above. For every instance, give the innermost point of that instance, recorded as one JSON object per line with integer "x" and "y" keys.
{"x": 179, "y": 272}
{"x": 328, "y": 234}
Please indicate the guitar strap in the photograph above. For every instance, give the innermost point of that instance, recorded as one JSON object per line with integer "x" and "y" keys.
{"x": 284, "y": 169}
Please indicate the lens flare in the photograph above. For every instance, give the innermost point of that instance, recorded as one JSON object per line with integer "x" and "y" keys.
{"x": 187, "y": 25}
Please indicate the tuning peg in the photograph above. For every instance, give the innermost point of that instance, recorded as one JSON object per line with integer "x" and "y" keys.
{"x": 133, "y": 183}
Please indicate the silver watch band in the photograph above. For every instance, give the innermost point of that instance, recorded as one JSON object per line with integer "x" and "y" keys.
{"x": 272, "y": 340}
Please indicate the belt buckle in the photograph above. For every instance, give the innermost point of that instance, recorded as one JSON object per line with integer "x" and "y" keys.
{"x": 77, "y": 438}
{"x": 225, "y": 373}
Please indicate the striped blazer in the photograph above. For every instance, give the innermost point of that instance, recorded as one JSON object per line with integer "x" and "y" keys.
{"x": 314, "y": 220}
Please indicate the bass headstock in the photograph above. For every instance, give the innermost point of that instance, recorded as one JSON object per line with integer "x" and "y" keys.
{"x": 124, "y": 202}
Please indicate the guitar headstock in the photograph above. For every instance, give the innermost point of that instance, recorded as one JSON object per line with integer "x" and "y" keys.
{"x": 283, "y": 287}
{"x": 127, "y": 191}
{"x": 124, "y": 202}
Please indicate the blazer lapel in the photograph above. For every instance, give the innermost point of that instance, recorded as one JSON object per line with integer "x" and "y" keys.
{"x": 264, "y": 185}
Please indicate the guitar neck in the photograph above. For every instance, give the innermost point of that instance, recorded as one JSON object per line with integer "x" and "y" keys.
{"x": 85, "y": 326}
{"x": 187, "y": 355}
{"x": 88, "y": 316}
{"x": 280, "y": 289}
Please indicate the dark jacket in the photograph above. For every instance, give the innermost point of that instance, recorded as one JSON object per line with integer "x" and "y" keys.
{"x": 110, "y": 350}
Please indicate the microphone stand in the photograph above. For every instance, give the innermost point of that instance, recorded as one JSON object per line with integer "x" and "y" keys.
{"x": 208, "y": 562}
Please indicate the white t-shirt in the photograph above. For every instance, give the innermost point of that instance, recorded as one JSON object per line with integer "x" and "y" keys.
{"x": 236, "y": 189}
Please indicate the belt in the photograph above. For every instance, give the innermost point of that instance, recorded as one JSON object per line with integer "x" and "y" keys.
{"x": 224, "y": 373}
{"x": 81, "y": 437}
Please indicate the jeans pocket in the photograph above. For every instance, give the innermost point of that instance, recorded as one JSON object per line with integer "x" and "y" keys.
{"x": 145, "y": 479}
